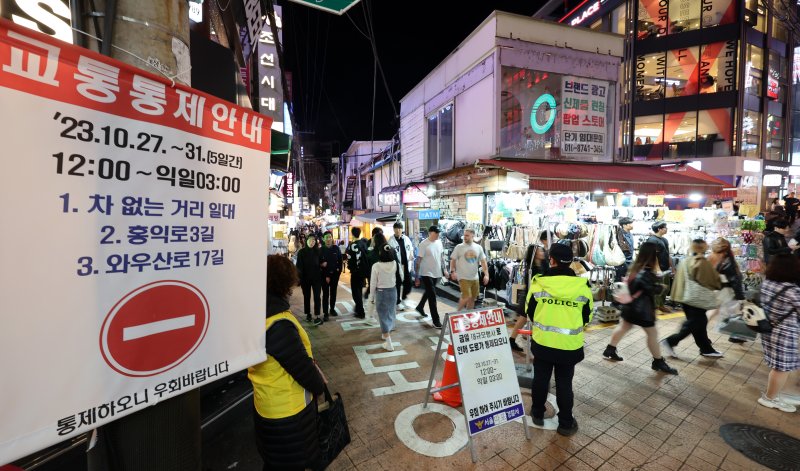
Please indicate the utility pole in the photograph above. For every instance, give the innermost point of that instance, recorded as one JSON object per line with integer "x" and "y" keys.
{"x": 152, "y": 35}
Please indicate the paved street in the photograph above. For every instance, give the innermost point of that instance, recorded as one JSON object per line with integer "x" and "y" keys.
{"x": 629, "y": 416}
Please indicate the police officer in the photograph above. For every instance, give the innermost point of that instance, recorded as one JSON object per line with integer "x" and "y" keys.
{"x": 559, "y": 305}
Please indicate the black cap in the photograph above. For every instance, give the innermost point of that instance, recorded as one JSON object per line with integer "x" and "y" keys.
{"x": 624, "y": 221}
{"x": 434, "y": 229}
{"x": 561, "y": 253}
{"x": 658, "y": 226}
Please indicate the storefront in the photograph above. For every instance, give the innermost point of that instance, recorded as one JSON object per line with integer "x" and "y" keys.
{"x": 775, "y": 182}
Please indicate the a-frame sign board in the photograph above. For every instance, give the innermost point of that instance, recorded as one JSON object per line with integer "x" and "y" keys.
{"x": 486, "y": 372}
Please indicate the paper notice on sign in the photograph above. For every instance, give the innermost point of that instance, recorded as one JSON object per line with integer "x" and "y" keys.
{"x": 135, "y": 239}
{"x": 583, "y": 117}
{"x": 486, "y": 369}
{"x": 473, "y": 217}
{"x": 655, "y": 200}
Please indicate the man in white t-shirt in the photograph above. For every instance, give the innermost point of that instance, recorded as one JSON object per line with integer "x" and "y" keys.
{"x": 464, "y": 269}
{"x": 429, "y": 271}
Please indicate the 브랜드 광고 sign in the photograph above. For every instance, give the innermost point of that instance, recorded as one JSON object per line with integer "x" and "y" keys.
{"x": 134, "y": 245}
{"x": 583, "y": 128}
{"x": 486, "y": 370}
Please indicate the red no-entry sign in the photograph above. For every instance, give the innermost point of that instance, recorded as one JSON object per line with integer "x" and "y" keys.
{"x": 154, "y": 328}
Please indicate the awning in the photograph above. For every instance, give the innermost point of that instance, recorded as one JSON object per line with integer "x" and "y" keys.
{"x": 373, "y": 218}
{"x": 693, "y": 172}
{"x": 280, "y": 150}
{"x": 395, "y": 188}
{"x": 608, "y": 178}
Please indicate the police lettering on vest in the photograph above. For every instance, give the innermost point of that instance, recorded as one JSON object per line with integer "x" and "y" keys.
{"x": 559, "y": 302}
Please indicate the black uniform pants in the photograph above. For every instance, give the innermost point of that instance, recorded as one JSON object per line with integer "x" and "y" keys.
{"x": 329, "y": 293}
{"x": 308, "y": 287}
{"x": 357, "y": 287}
{"x": 696, "y": 325}
{"x": 542, "y": 371}
{"x": 405, "y": 285}
{"x": 430, "y": 295}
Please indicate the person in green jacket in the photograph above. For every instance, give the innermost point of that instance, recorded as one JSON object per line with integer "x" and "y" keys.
{"x": 560, "y": 306}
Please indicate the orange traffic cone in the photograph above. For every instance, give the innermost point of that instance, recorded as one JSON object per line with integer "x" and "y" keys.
{"x": 452, "y": 396}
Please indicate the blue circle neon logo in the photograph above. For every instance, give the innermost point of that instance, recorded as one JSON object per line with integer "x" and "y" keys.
{"x": 543, "y": 128}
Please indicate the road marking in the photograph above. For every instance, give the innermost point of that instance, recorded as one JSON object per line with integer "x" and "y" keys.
{"x": 401, "y": 385}
{"x": 157, "y": 327}
{"x": 359, "y": 324}
{"x": 365, "y": 359}
{"x": 404, "y": 428}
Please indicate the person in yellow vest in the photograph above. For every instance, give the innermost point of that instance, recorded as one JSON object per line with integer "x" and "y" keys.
{"x": 559, "y": 305}
{"x": 286, "y": 384}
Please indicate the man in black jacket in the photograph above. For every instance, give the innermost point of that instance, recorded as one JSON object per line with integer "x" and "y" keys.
{"x": 775, "y": 239}
{"x": 357, "y": 264}
{"x": 664, "y": 262}
{"x": 331, "y": 269}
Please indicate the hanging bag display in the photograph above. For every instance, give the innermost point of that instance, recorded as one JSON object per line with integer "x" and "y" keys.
{"x": 613, "y": 253}
{"x": 334, "y": 434}
{"x": 597, "y": 256}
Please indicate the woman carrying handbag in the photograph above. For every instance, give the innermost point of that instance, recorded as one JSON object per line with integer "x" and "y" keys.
{"x": 694, "y": 287}
{"x": 732, "y": 293}
{"x": 644, "y": 287}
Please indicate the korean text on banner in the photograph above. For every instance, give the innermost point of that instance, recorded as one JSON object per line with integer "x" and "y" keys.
{"x": 583, "y": 126}
{"x": 134, "y": 249}
{"x": 486, "y": 369}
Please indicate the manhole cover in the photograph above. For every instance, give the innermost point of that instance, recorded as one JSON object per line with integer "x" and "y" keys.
{"x": 771, "y": 448}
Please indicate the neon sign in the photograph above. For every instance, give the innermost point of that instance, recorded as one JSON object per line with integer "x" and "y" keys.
{"x": 594, "y": 8}
{"x": 551, "y": 102}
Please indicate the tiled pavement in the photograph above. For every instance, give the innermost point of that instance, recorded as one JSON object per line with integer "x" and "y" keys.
{"x": 630, "y": 417}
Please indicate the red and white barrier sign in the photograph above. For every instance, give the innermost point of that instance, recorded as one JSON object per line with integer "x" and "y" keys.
{"x": 134, "y": 244}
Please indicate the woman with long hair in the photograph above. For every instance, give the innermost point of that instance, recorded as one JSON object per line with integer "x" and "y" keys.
{"x": 383, "y": 292}
{"x": 644, "y": 287}
{"x": 285, "y": 384}
{"x": 780, "y": 297}
{"x": 695, "y": 268}
{"x": 536, "y": 263}
{"x": 309, "y": 267}
{"x": 724, "y": 261}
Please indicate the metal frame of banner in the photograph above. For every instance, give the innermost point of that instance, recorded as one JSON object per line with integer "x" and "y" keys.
{"x": 431, "y": 390}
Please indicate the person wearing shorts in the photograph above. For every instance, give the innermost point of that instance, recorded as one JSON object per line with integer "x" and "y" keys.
{"x": 464, "y": 262}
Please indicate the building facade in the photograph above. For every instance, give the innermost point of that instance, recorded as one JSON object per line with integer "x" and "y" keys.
{"x": 711, "y": 80}
{"x": 349, "y": 186}
{"x": 515, "y": 88}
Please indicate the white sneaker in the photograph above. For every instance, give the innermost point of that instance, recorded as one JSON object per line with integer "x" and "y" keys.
{"x": 667, "y": 348}
{"x": 714, "y": 354}
{"x": 776, "y": 403}
{"x": 791, "y": 399}
{"x": 388, "y": 346}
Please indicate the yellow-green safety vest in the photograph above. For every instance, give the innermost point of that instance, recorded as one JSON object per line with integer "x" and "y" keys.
{"x": 276, "y": 393}
{"x": 558, "y": 319}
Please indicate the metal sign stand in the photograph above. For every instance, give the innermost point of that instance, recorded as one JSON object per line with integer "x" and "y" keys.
{"x": 430, "y": 389}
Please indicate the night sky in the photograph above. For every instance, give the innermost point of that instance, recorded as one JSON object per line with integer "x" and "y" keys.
{"x": 335, "y": 100}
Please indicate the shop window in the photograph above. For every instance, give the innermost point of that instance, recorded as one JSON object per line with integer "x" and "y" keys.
{"x": 779, "y": 19}
{"x": 618, "y": 20}
{"x": 684, "y": 15}
{"x": 777, "y": 78}
{"x": 597, "y": 25}
{"x": 652, "y": 19}
{"x": 682, "y": 72}
{"x": 756, "y": 15}
{"x": 718, "y": 12}
{"x": 774, "y": 137}
{"x": 714, "y": 132}
{"x": 680, "y": 134}
{"x": 440, "y": 140}
{"x": 650, "y": 76}
{"x": 751, "y": 134}
{"x": 648, "y": 133}
{"x": 718, "y": 67}
{"x": 754, "y": 66}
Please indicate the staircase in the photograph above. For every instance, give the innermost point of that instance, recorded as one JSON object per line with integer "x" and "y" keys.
{"x": 349, "y": 191}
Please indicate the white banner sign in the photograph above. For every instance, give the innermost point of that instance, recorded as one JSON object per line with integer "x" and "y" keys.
{"x": 486, "y": 369}
{"x": 134, "y": 240}
{"x": 584, "y": 128}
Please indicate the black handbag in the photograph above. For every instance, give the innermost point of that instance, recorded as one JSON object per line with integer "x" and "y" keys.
{"x": 334, "y": 434}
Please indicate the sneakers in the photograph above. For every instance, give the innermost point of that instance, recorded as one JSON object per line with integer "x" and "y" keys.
{"x": 420, "y": 311}
{"x": 791, "y": 399}
{"x": 308, "y": 318}
{"x": 512, "y": 342}
{"x": 660, "y": 365}
{"x": 333, "y": 313}
{"x": 437, "y": 323}
{"x": 538, "y": 421}
{"x": 714, "y": 354}
{"x": 777, "y": 403}
{"x": 667, "y": 349}
{"x": 610, "y": 354}
{"x": 325, "y": 318}
{"x": 736, "y": 340}
{"x": 568, "y": 431}
{"x": 388, "y": 346}
{"x": 317, "y": 321}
